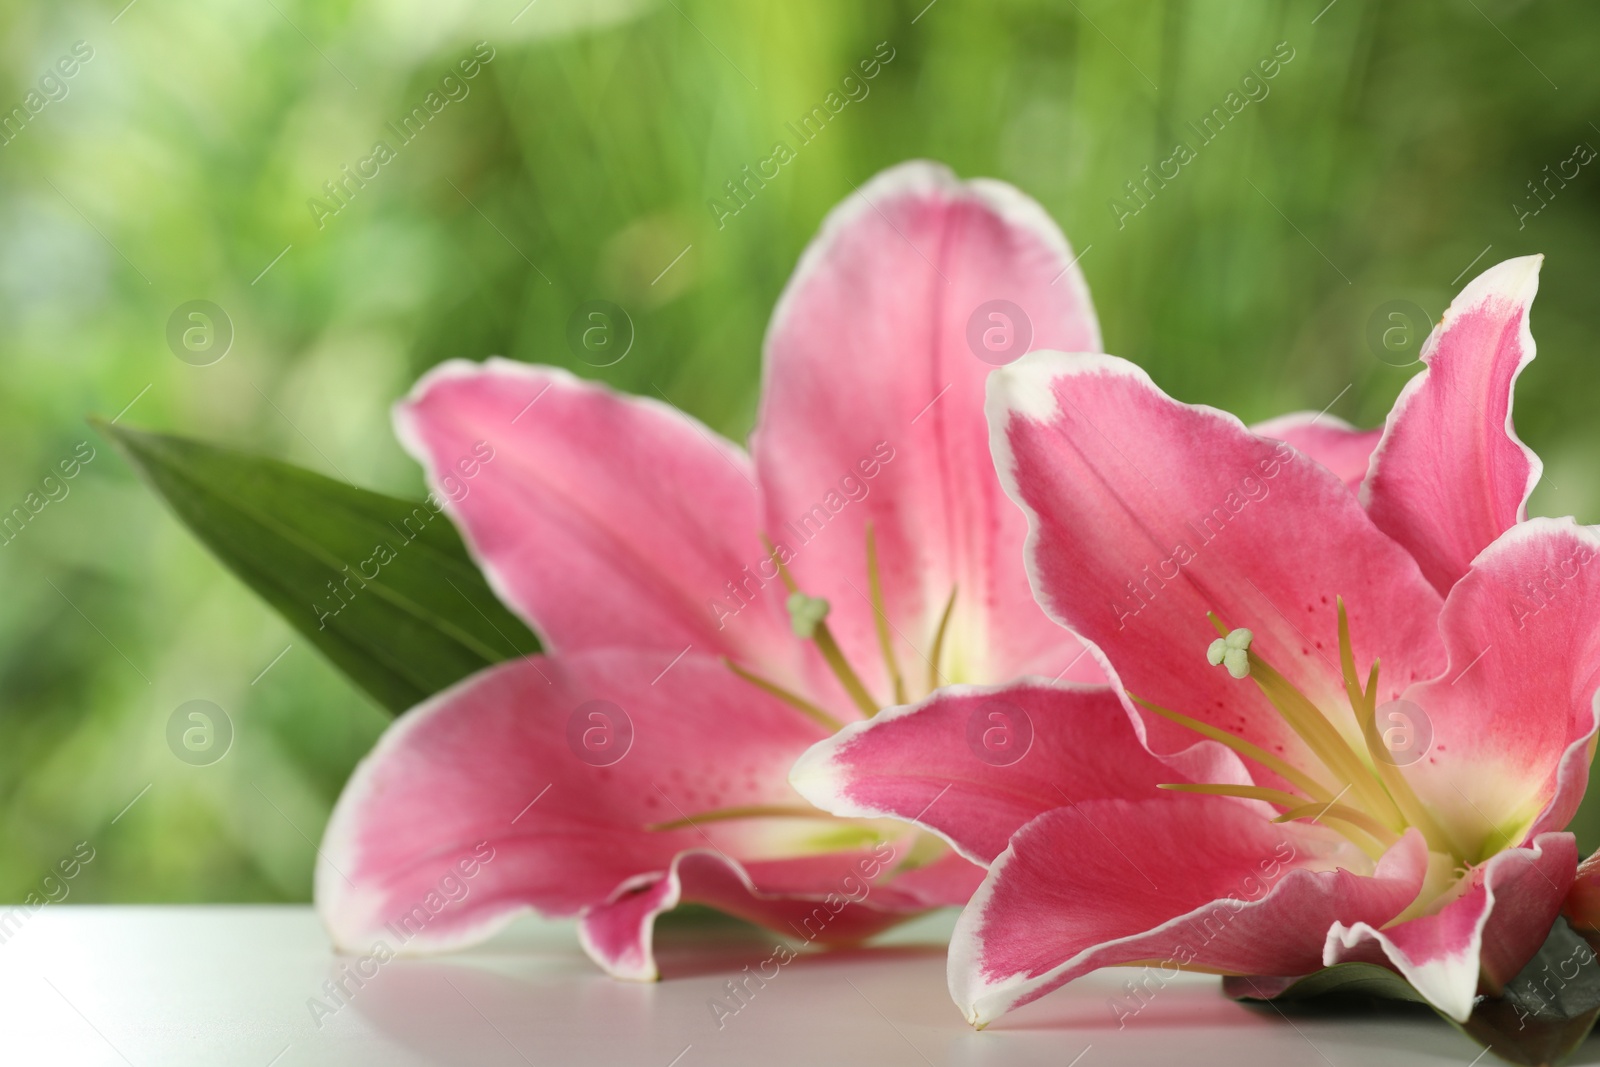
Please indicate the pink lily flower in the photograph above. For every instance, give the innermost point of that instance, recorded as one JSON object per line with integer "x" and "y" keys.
{"x": 1292, "y": 805}
{"x": 708, "y": 615}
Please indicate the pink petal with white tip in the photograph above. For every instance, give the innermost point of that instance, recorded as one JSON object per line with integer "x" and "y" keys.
{"x": 1147, "y": 514}
{"x": 1493, "y": 928}
{"x": 1450, "y": 474}
{"x": 1512, "y": 719}
{"x": 1179, "y": 881}
{"x": 872, "y": 411}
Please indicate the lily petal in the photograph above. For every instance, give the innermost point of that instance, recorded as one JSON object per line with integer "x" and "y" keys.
{"x": 1513, "y": 717}
{"x": 1494, "y": 928}
{"x": 948, "y": 881}
{"x": 619, "y": 935}
{"x": 837, "y": 906}
{"x": 604, "y": 520}
{"x": 1450, "y": 474}
{"x": 1198, "y": 882}
{"x": 512, "y": 764}
{"x": 1145, "y": 514}
{"x": 974, "y": 764}
{"x": 872, "y": 411}
{"x": 1328, "y": 439}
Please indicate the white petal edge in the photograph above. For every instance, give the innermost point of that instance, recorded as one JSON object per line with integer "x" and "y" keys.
{"x": 1523, "y": 285}
{"x": 923, "y": 177}
{"x": 983, "y": 1002}
{"x": 1449, "y": 983}
{"x": 404, "y": 421}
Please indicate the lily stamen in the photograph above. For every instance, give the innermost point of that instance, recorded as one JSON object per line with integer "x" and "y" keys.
{"x": 1364, "y": 701}
{"x": 749, "y": 811}
{"x": 1308, "y": 721}
{"x": 794, "y": 700}
{"x": 934, "y": 678}
{"x": 1363, "y": 831}
{"x": 1255, "y": 753}
{"x": 1276, "y": 797}
{"x": 806, "y": 615}
{"x": 1383, "y": 803}
{"x": 1357, "y": 827}
{"x": 881, "y": 618}
{"x": 1342, "y": 813}
{"x": 1374, "y": 847}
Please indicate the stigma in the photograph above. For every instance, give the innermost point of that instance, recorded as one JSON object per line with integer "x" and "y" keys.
{"x": 808, "y": 619}
{"x": 1348, "y": 787}
{"x": 1232, "y": 652}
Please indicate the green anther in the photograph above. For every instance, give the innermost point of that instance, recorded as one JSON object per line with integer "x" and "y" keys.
{"x": 806, "y": 613}
{"x": 1232, "y": 652}
{"x": 1383, "y": 804}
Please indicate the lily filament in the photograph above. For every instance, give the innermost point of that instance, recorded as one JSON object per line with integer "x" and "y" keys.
{"x": 1357, "y": 791}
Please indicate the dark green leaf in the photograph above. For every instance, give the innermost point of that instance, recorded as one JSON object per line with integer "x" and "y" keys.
{"x": 1548, "y": 1009}
{"x": 306, "y": 543}
{"x": 1543, "y": 1014}
{"x": 1344, "y": 980}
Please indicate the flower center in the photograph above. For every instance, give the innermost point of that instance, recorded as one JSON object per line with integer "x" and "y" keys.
{"x": 1370, "y": 803}
{"x": 808, "y": 618}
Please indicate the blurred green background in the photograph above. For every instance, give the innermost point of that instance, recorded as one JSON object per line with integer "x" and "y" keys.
{"x": 178, "y": 165}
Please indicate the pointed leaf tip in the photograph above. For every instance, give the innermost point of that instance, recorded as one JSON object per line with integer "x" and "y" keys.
{"x": 382, "y": 586}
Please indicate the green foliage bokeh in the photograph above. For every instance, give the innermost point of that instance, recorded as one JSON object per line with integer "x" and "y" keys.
{"x": 1388, "y": 155}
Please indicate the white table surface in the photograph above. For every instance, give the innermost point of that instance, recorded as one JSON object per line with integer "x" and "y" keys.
{"x": 219, "y": 985}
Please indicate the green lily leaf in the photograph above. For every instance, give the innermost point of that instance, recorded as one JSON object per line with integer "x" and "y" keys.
{"x": 1541, "y": 1016}
{"x": 1343, "y": 981}
{"x": 382, "y": 586}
